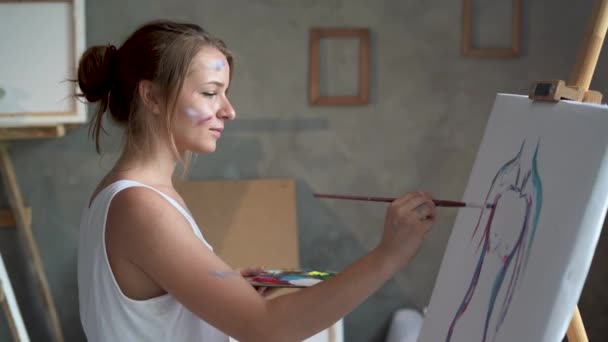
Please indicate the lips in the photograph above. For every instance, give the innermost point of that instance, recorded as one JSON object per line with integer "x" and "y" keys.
{"x": 217, "y": 130}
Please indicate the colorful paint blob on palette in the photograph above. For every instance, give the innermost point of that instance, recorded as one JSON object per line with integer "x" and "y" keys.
{"x": 290, "y": 278}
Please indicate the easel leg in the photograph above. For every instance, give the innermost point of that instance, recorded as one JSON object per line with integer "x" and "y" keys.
{"x": 23, "y": 222}
{"x": 576, "y": 330}
{"x": 9, "y": 316}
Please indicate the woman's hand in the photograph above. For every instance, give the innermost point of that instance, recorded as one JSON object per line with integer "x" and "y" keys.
{"x": 408, "y": 220}
{"x": 252, "y": 272}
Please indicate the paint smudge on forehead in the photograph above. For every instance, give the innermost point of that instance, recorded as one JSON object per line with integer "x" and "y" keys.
{"x": 217, "y": 64}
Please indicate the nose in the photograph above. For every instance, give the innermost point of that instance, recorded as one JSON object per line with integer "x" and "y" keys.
{"x": 227, "y": 112}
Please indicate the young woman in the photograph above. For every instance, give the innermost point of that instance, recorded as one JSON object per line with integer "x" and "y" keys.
{"x": 145, "y": 272}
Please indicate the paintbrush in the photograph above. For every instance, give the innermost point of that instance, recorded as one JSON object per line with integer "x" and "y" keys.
{"x": 439, "y": 203}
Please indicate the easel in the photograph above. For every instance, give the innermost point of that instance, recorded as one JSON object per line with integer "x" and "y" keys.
{"x": 20, "y": 216}
{"x": 577, "y": 89}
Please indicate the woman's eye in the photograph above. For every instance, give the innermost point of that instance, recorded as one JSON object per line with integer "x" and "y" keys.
{"x": 209, "y": 94}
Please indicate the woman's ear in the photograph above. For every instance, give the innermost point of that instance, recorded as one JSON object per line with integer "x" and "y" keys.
{"x": 150, "y": 96}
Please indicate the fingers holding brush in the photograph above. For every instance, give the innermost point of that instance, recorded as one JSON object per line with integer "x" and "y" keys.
{"x": 426, "y": 210}
{"x": 419, "y": 203}
{"x": 407, "y": 221}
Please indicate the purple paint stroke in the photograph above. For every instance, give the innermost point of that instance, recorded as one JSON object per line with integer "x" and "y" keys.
{"x": 223, "y": 274}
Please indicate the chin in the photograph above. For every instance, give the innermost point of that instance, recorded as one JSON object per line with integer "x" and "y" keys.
{"x": 203, "y": 149}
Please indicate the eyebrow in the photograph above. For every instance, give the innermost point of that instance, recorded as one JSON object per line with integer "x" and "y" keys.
{"x": 217, "y": 83}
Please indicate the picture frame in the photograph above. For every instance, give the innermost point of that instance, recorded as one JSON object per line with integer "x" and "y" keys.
{"x": 314, "y": 90}
{"x": 467, "y": 48}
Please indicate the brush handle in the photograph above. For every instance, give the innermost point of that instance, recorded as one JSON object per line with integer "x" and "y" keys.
{"x": 357, "y": 198}
{"x": 444, "y": 203}
{"x": 439, "y": 203}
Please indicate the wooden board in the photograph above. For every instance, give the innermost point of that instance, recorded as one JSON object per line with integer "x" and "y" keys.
{"x": 251, "y": 223}
{"x": 248, "y": 222}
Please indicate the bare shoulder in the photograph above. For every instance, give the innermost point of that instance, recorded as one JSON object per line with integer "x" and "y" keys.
{"x": 139, "y": 218}
{"x": 140, "y": 204}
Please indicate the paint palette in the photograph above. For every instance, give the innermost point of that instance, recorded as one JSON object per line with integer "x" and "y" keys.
{"x": 289, "y": 278}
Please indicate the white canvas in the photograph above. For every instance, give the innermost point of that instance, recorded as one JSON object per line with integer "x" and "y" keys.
{"x": 515, "y": 272}
{"x": 41, "y": 45}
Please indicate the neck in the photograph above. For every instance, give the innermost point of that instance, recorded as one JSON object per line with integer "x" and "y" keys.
{"x": 155, "y": 166}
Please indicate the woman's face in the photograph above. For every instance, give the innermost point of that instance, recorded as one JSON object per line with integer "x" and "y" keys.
{"x": 202, "y": 107}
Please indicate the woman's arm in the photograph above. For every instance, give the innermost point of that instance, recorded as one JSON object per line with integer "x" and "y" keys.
{"x": 156, "y": 238}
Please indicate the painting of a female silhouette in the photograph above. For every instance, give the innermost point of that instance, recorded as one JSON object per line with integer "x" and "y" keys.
{"x": 503, "y": 245}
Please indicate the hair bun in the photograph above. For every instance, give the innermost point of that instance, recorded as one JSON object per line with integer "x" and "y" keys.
{"x": 96, "y": 72}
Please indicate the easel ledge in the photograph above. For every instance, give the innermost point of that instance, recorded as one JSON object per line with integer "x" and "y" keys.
{"x": 16, "y": 133}
{"x": 577, "y": 89}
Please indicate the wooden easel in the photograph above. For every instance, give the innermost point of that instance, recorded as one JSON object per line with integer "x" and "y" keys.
{"x": 577, "y": 89}
{"x": 20, "y": 216}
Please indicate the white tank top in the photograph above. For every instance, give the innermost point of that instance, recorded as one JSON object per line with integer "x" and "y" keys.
{"x": 106, "y": 313}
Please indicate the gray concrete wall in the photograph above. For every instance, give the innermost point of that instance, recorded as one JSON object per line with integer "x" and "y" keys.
{"x": 421, "y": 130}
